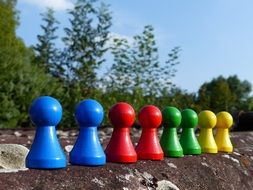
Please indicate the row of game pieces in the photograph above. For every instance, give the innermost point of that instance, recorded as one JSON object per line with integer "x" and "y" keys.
{"x": 46, "y": 152}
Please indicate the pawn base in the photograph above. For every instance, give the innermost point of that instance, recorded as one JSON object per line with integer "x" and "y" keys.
{"x": 88, "y": 161}
{"x": 150, "y": 156}
{"x": 225, "y": 149}
{"x": 121, "y": 158}
{"x": 210, "y": 150}
{"x": 192, "y": 152}
{"x": 174, "y": 154}
{"x": 46, "y": 163}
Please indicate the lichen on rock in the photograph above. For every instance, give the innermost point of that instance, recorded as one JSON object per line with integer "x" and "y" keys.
{"x": 12, "y": 156}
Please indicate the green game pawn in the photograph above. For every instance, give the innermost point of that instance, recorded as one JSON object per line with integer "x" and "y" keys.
{"x": 169, "y": 140}
{"x": 188, "y": 139}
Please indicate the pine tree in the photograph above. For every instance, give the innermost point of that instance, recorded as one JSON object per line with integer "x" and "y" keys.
{"x": 46, "y": 52}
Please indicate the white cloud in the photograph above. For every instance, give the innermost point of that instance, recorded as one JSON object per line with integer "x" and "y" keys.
{"x": 58, "y": 5}
{"x": 113, "y": 36}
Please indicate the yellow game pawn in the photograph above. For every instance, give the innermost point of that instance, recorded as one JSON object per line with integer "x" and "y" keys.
{"x": 207, "y": 121}
{"x": 224, "y": 122}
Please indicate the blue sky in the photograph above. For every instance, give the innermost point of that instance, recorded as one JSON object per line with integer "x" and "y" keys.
{"x": 216, "y": 36}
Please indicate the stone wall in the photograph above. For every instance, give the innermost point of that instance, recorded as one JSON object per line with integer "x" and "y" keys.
{"x": 218, "y": 171}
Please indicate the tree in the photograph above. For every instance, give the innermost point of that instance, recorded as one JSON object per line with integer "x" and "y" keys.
{"x": 21, "y": 81}
{"x": 228, "y": 94}
{"x": 85, "y": 42}
{"x": 8, "y": 22}
{"x": 46, "y": 52}
{"x": 169, "y": 71}
{"x": 145, "y": 63}
{"x": 178, "y": 98}
{"x": 136, "y": 66}
{"x": 119, "y": 76}
{"x": 241, "y": 93}
{"x": 85, "y": 46}
{"x": 136, "y": 75}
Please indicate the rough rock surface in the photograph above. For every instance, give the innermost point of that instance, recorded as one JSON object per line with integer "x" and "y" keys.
{"x": 218, "y": 171}
{"x": 12, "y": 156}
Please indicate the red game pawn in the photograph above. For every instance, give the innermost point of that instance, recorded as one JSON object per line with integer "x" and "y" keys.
{"x": 149, "y": 148}
{"x": 120, "y": 148}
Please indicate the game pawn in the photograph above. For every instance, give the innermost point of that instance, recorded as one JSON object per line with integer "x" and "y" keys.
{"x": 188, "y": 139}
{"x": 224, "y": 122}
{"x": 45, "y": 153}
{"x": 87, "y": 149}
{"x": 207, "y": 121}
{"x": 148, "y": 147}
{"x": 120, "y": 148}
{"x": 169, "y": 140}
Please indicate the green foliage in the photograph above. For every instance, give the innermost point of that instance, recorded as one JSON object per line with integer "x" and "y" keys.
{"x": 21, "y": 81}
{"x": 178, "y": 98}
{"x": 70, "y": 74}
{"x": 136, "y": 75}
{"x": 85, "y": 45}
{"x": 85, "y": 42}
{"x": 169, "y": 71}
{"x": 228, "y": 94}
{"x": 137, "y": 68}
{"x": 46, "y": 52}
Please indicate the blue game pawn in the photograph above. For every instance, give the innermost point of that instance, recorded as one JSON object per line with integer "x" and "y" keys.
{"x": 87, "y": 149}
{"x": 45, "y": 153}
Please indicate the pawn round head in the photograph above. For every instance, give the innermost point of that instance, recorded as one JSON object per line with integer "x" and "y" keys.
{"x": 45, "y": 111}
{"x": 207, "y": 119}
{"x": 89, "y": 113}
{"x": 189, "y": 118}
{"x": 122, "y": 115}
{"x": 150, "y": 117}
{"x": 224, "y": 120}
{"x": 171, "y": 117}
